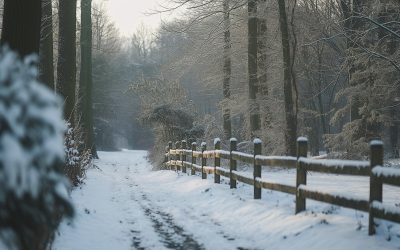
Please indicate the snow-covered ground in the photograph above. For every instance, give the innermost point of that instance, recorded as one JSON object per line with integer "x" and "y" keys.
{"x": 124, "y": 205}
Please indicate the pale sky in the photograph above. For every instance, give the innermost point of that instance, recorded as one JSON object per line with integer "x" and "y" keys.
{"x": 129, "y": 14}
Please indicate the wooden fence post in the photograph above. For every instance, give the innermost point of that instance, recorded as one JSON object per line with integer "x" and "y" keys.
{"x": 177, "y": 156}
{"x": 301, "y": 174}
{"x": 203, "y": 160}
{"x": 194, "y": 148}
{"x": 232, "y": 165}
{"x": 183, "y": 157}
{"x": 257, "y": 168}
{"x": 217, "y": 161}
{"x": 169, "y": 154}
{"x": 375, "y": 188}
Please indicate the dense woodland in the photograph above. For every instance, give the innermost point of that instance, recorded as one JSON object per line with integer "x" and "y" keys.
{"x": 268, "y": 69}
{"x": 275, "y": 70}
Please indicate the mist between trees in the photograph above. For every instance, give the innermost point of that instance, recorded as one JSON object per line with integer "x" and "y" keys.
{"x": 273, "y": 69}
{"x": 276, "y": 70}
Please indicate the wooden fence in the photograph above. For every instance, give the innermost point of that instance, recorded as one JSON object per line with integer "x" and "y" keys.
{"x": 176, "y": 158}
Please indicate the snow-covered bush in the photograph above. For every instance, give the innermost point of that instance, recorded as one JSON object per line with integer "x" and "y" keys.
{"x": 33, "y": 189}
{"x": 166, "y": 108}
{"x": 71, "y": 152}
{"x": 350, "y": 143}
{"x": 77, "y": 160}
{"x": 170, "y": 124}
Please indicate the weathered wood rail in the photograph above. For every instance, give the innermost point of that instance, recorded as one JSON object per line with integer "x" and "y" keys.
{"x": 176, "y": 158}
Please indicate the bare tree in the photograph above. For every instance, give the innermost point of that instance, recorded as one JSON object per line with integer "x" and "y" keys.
{"x": 141, "y": 42}
{"x": 105, "y": 34}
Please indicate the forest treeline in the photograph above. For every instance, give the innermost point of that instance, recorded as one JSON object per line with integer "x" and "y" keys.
{"x": 276, "y": 70}
{"x": 273, "y": 69}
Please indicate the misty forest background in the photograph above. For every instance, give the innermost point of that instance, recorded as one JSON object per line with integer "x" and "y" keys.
{"x": 325, "y": 69}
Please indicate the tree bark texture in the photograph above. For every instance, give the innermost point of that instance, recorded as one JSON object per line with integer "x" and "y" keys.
{"x": 46, "y": 64}
{"x": 255, "y": 123}
{"x": 262, "y": 49}
{"x": 66, "y": 65}
{"x": 86, "y": 81}
{"x": 227, "y": 72}
{"x": 262, "y": 97}
{"x": 291, "y": 120}
{"x": 21, "y": 26}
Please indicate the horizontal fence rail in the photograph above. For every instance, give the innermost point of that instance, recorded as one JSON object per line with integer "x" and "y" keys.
{"x": 176, "y": 158}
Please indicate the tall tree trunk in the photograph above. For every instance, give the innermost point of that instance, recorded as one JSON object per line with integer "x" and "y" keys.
{"x": 21, "y": 31}
{"x": 46, "y": 66}
{"x": 351, "y": 10}
{"x": 227, "y": 72}
{"x": 394, "y": 133}
{"x": 262, "y": 48}
{"x": 290, "y": 114}
{"x": 86, "y": 81}
{"x": 254, "y": 109}
{"x": 21, "y": 26}
{"x": 388, "y": 14}
{"x": 320, "y": 105}
{"x": 262, "y": 99}
{"x": 66, "y": 65}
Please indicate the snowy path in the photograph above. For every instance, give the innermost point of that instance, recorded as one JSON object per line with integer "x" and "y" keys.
{"x": 124, "y": 205}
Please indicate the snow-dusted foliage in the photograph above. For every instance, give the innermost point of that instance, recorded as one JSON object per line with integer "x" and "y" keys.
{"x": 33, "y": 190}
{"x": 165, "y": 107}
{"x": 171, "y": 124}
{"x": 350, "y": 143}
{"x": 71, "y": 152}
{"x": 76, "y": 158}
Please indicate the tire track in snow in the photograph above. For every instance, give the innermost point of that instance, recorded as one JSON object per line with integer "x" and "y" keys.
{"x": 138, "y": 239}
{"x": 174, "y": 236}
{"x": 171, "y": 235}
{"x": 216, "y": 227}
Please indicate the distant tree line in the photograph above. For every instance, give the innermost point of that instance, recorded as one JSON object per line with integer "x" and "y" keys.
{"x": 326, "y": 69}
